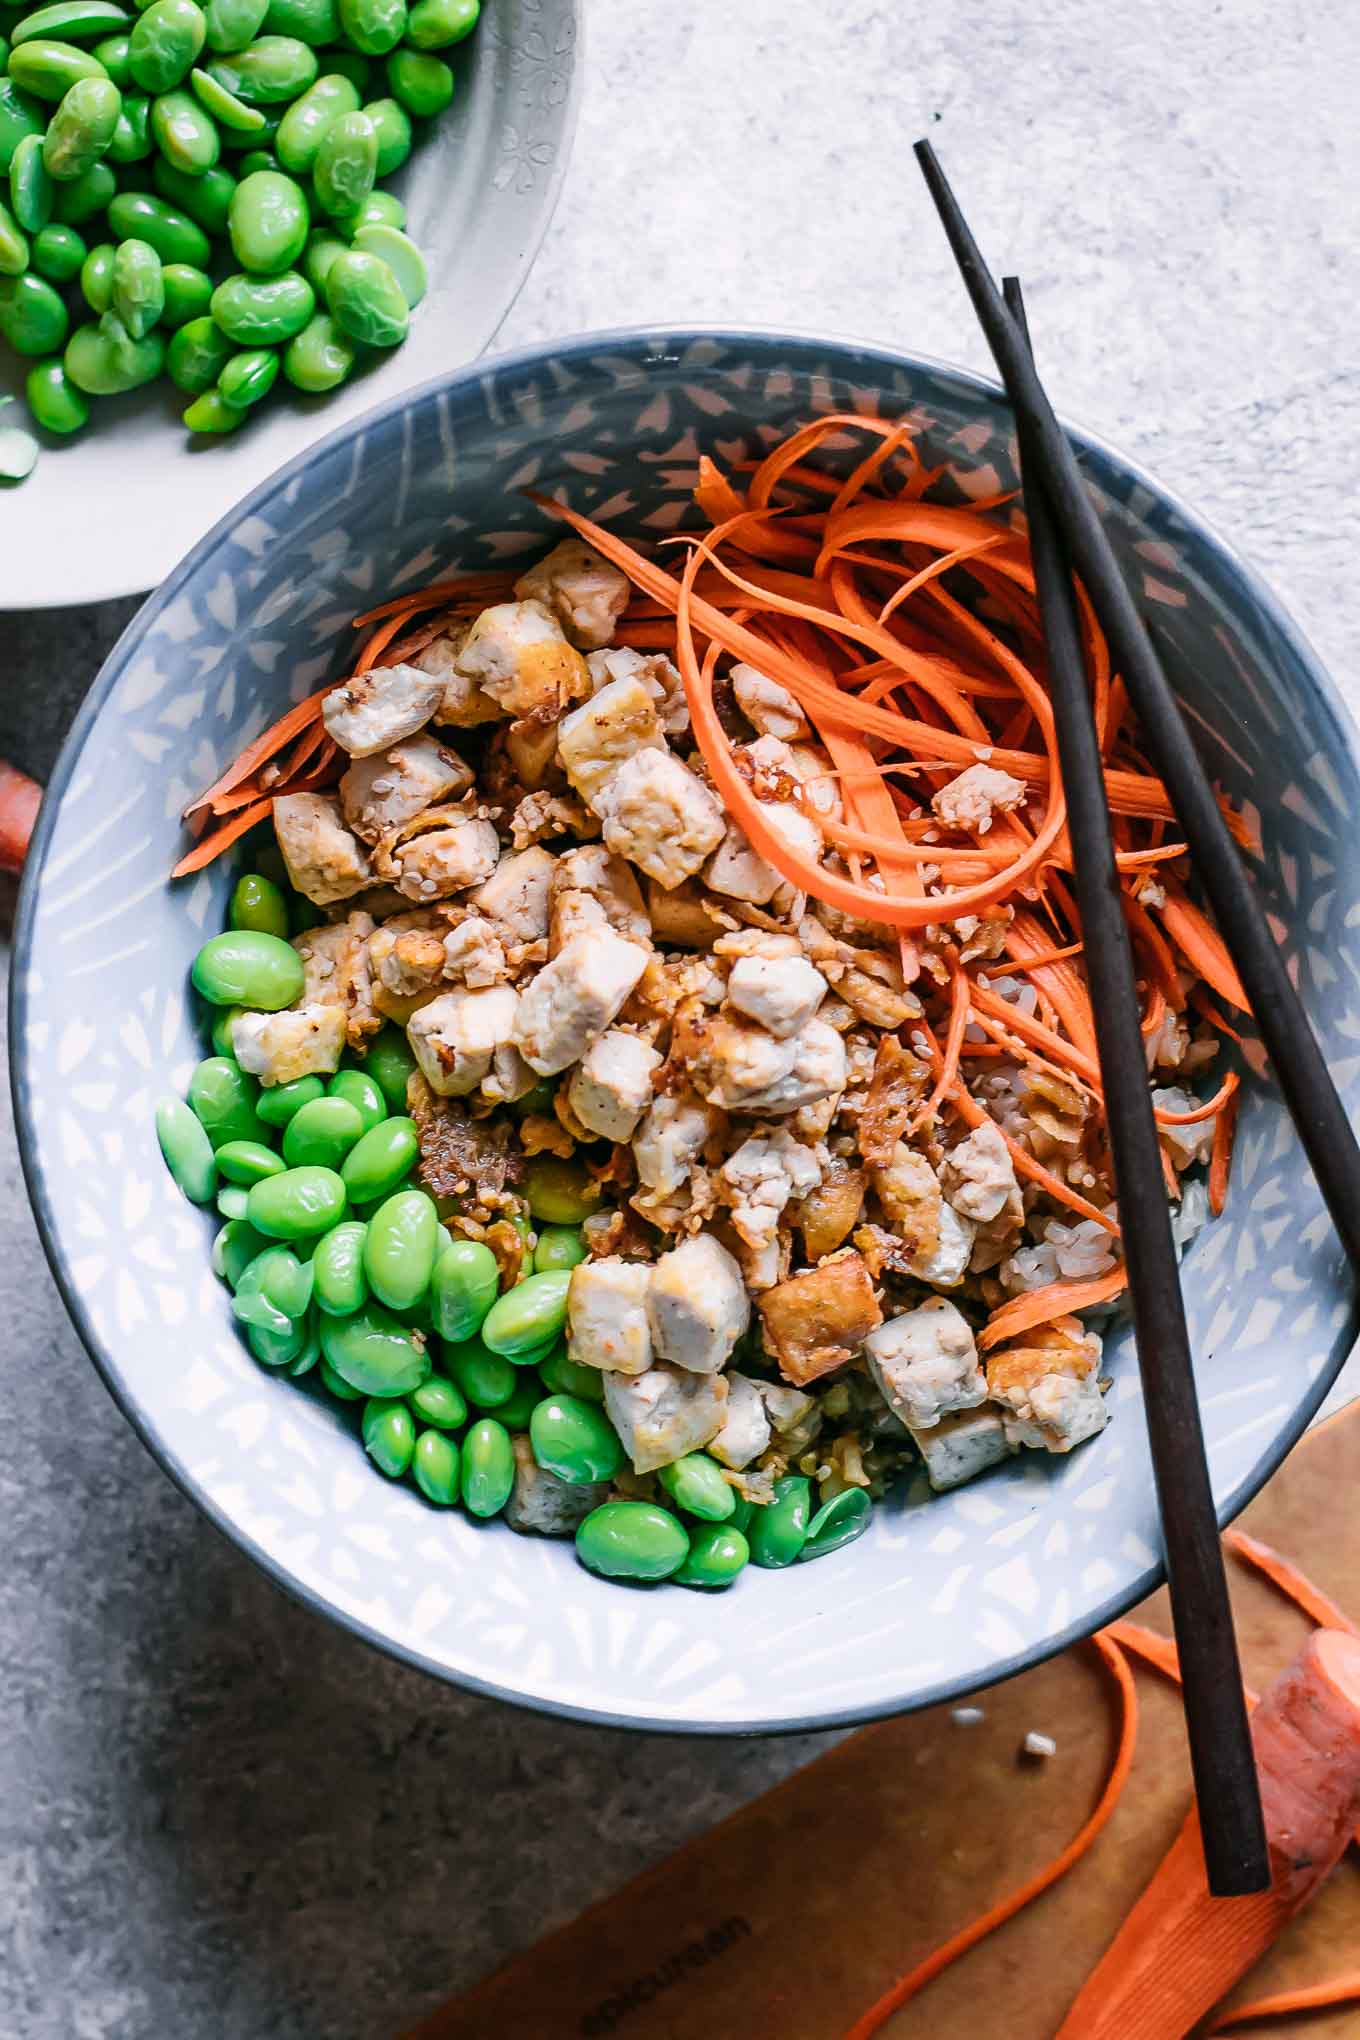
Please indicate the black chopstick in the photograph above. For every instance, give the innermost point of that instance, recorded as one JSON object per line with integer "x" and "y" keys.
{"x": 1226, "y": 1789}
{"x": 1300, "y": 1069}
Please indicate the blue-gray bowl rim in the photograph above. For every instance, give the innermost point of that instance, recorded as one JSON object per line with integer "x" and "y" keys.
{"x": 629, "y": 339}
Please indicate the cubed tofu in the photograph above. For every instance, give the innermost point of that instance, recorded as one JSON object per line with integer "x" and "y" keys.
{"x": 1048, "y": 1389}
{"x": 659, "y": 815}
{"x": 769, "y": 707}
{"x": 665, "y": 1413}
{"x": 746, "y": 1428}
{"x": 574, "y": 998}
{"x": 455, "y": 1036}
{"x": 377, "y": 709}
{"x": 325, "y": 861}
{"x": 670, "y": 1140}
{"x": 744, "y": 1069}
{"x": 740, "y": 873}
{"x": 406, "y": 954}
{"x": 594, "y": 740}
{"x": 304, "y": 1041}
{"x": 658, "y": 674}
{"x": 544, "y": 1504}
{"x": 335, "y": 964}
{"x": 909, "y": 1192}
{"x": 516, "y": 895}
{"x": 380, "y": 794}
{"x": 587, "y": 593}
{"x": 517, "y": 653}
{"x": 925, "y": 1363}
{"x": 979, "y": 1175}
{"x": 795, "y": 1418}
{"x": 462, "y": 703}
{"x": 612, "y": 1086}
{"x": 760, "y": 1178}
{"x": 817, "y": 1321}
{"x": 435, "y": 863}
{"x": 698, "y": 1305}
{"x": 509, "y": 1078}
{"x": 946, "y": 1267}
{"x": 974, "y": 799}
{"x": 780, "y": 994}
{"x": 591, "y": 887}
{"x": 474, "y": 954}
{"x": 963, "y": 1445}
{"x": 607, "y": 1322}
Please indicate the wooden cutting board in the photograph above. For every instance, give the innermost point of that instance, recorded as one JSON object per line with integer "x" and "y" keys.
{"x": 789, "y": 1918}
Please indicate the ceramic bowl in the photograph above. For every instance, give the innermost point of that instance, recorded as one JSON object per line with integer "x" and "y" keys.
{"x": 944, "y": 1594}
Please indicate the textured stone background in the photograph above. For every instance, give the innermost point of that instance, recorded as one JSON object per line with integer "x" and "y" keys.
{"x": 217, "y": 1816}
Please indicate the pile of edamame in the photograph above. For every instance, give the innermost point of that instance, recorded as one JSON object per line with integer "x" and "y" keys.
{"x": 342, "y": 1269}
{"x": 194, "y": 191}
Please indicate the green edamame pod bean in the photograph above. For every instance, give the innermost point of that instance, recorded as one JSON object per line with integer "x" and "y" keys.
{"x": 132, "y": 141}
{"x": 436, "y": 24}
{"x": 563, "y": 1376}
{"x": 164, "y": 43}
{"x": 740, "y": 1518}
{"x": 259, "y": 311}
{"x": 486, "y": 1379}
{"x": 373, "y": 1351}
{"x": 205, "y": 199}
{"x": 320, "y": 356}
{"x": 488, "y": 1468}
{"x": 321, "y": 1134}
{"x": 695, "y": 1484}
{"x": 373, "y": 26}
{"x": 305, "y": 1360}
{"x": 57, "y": 252}
{"x": 420, "y": 83}
{"x": 232, "y": 1201}
{"x": 779, "y": 1530}
{"x": 534, "y": 1311}
{"x": 379, "y": 209}
{"x": 226, "y": 109}
{"x": 515, "y": 1413}
{"x": 307, "y": 119}
{"x": 346, "y": 164}
{"x": 14, "y": 248}
{"x": 248, "y": 377}
{"x": 195, "y": 358}
{"x": 278, "y": 1102}
{"x": 281, "y": 1279}
{"x": 437, "y": 1402}
{"x": 390, "y": 1062}
{"x": 338, "y": 1269}
{"x": 184, "y": 133}
{"x": 632, "y": 1541}
{"x": 257, "y": 159}
{"x": 392, "y": 125}
{"x": 559, "y": 1246}
{"x": 235, "y": 1247}
{"x": 20, "y": 115}
{"x": 105, "y": 360}
{"x": 278, "y": 1349}
{"x": 96, "y": 277}
{"x": 82, "y": 127}
{"x": 379, "y": 1159}
{"x": 837, "y": 1523}
{"x": 366, "y": 299}
{"x": 436, "y": 1468}
{"x": 138, "y": 293}
{"x": 224, "y": 1098}
{"x": 717, "y": 1553}
{"x": 574, "y": 1440}
{"x": 30, "y": 187}
{"x": 560, "y": 1192}
{"x": 32, "y": 315}
{"x": 401, "y": 255}
{"x": 463, "y": 1287}
{"x": 188, "y": 293}
{"x": 351, "y": 64}
{"x": 211, "y": 412}
{"x": 298, "y": 1205}
{"x": 332, "y": 1382}
{"x": 85, "y": 196}
{"x": 359, "y": 1090}
{"x": 49, "y": 69}
{"x": 187, "y": 1150}
{"x": 232, "y": 24}
{"x": 248, "y": 1161}
{"x": 270, "y": 71}
{"x": 72, "y": 21}
{"x": 258, "y": 904}
{"x": 245, "y": 967}
{"x": 403, "y": 1239}
{"x": 53, "y": 399}
{"x": 312, "y": 21}
{"x": 136, "y": 215}
{"x": 389, "y": 1434}
{"x": 268, "y": 222}
{"x": 114, "y": 53}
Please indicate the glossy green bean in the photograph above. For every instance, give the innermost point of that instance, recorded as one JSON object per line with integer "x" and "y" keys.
{"x": 534, "y": 1312}
{"x": 164, "y": 43}
{"x": 374, "y": 1352}
{"x": 56, "y": 404}
{"x": 632, "y": 1541}
{"x": 717, "y": 1553}
{"x": 575, "y": 1440}
{"x": 779, "y": 1530}
{"x": 224, "y": 1099}
{"x": 261, "y": 311}
{"x": 380, "y": 1159}
{"x": 300, "y": 1204}
{"x": 244, "y": 967}
{"x": 436, "y": 1468}
{"x": 486, "y": 1379}
{"x": 30, "y": 186}
{"x": 278, "y": 1103}
{"x": 138, "y": 291}
{"x": 488, "y": 1468}
{"x": 268, "y": 222}
{"x": 464, "y": 1285}
{"x": 248, "y": 1161}
{"x": 338, "y": 1268}
{"x": 187, "y": 1150}
{"x": 172, "y": 233}
{"x": 194, "y": 359}
{"x": 695, "y": 1484}
{"x": 185, "y": 133}
{"x": 389, "y": 1434}
{"x": 400, "y": 1248}
{"x": 359, "y": 1090}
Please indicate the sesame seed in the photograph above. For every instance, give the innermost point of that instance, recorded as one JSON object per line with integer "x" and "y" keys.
{"x": 967, "y": 1717}
{"x": 1036, "y": 1745}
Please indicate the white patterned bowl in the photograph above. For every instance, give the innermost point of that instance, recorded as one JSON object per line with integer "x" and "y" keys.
{"x": 944, "y": 1594}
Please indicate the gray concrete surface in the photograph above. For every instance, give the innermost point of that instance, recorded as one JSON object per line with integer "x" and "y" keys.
{"x": 218, "y": 1817}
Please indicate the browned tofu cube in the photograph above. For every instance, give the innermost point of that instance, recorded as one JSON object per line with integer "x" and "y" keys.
{"x": 815, "y": 1322}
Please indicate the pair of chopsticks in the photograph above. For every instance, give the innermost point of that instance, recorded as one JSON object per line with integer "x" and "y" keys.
{"x": 1066, "y": 535}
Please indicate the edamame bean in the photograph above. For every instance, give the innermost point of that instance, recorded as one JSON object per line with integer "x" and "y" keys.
{"x": 57, "y": 253}
{"x": 232, "y": 1201}
{"x": 258, "y": 311}
{"x": 379, "y": 1159}
{"x": 268, "y": 222}
{"x": 14, "y": 248}
{"x": 403, "y": 1238}
{"x": 132, "y": 141}
{"x": 515, "y": 1413}
{"x": 574, "y": 1440}
{"x": 306, "y": 121}
{"x": 740, "y": 1518}
{"x": 373, "y": 1351}
{"x": 560, "y": 1192}
{"x": 390, "y": 1062}
{"x": 333, "y": 1383}
{"x": 195, "y": 358}
{"x": 281, "y": 1280}
{"x": 436, "y": 24}
{"x": 379, "y": 209}
{"x": 297, "y": 1205}
{"x": 312, "y": 21}
{"x": 366, "y": 299}
{"x": 164, "y": 43}
{"x": 420, "y": 83}
{"x": 186, "y": 136}
{"x": 114, "y": 53}
{"x": 248, "y": 1161}
{"x": 96, "y": 277}
{"x": 138, "y": 296}
{"x": 486, "y": 1379}
{"x": 82, "y": 127}
{"x": 231, "y": 24}
{"x": 392, "y": 125}
{"x": 85, "y": 196}
{"x": 49, "y": 69}
{"x": 837, "y": 1523}
{"x": 258, "y": 904}
{"x": 717, "y": 1553}
{"x": 55, "y": 402}
{"x": 321, "y": 1134}
{"x": 463, "y": 1287}
{"x": 563, "y": 1376}
{"x": 30, "y": 187}
{"x": 632, "y": 1541}
{"x": 338, "y": 1269}
{"x": 695, "y": 1484}
{"x": 351, "y": 64}
{"x": 389, "y": 1434}
{"x": 436, "y": 1468}
{"x": 346, "y": 164}
{"x": 20, "y": 115}
{"x": 257, "y": 159}
{"x": 188, "y": 293}
{"x": 235, "y": 1247}
{"x": 72, "y": 21}
{"x": 224, "y": 107}
{"x": 224, "y": 1099}
{"x": 374, "y": 26}
{"x": 248, "y": 377}
{"x": 321, "y": 250}
{"x": 245, "y": 967}
{"x": 105, "y": 360}
{"x": 205, "y": 199}
{"x": 187, "y": 1150}
{"x": 271, "y": 71}
{"x": 779, "y": 1530}
{"x": 534, "y": 1311}
{"x": 401, "y": 255}
{"x": 305, "y": 1360}
{"x": 559, "y": 1246}
{"x": 277, "y": 1103}
{"x": 439, "y": 1403}
{"x": 136, "y": 215}
{"x": 488, "y": 1468}
{"x": 32, "y": 315}
{"x": 320, "y": 356}
{"x": 360, "y": 1091}
{"x": 277, "y": 1349}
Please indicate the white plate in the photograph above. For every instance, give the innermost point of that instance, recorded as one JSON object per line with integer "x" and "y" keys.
{"x": 111, "y": 512}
